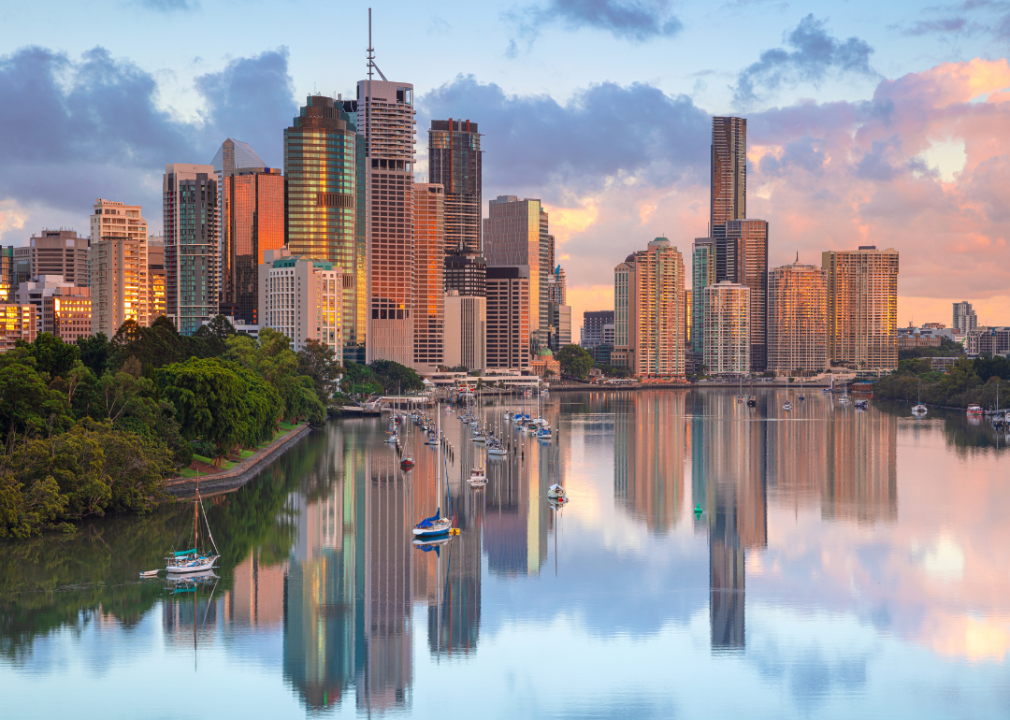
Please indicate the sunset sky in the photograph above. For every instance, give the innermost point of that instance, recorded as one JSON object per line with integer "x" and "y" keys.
{"x": 869, "y": 123}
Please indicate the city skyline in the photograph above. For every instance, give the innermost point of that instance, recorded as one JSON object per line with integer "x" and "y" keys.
{"x": 892, "y": 172}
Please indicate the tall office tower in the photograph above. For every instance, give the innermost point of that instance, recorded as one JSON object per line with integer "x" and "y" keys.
{"x": 862, "y": 307}
{"x": 231, "y": 156}
{"x": 192, "y": 258}
{"x": 454, "y": 162}
{"x": 429, "y": 292}
{"x": 325, "y": 202}
{"x": 742, "y": 257}
{"x": 512, "y": 238}
{"x": 117, "y": 263}
{"x": 253, "y": 220}
{"x": 299, "y": 297}
{"x": 625, "y": 315}
{"x": 17, "y": 322}
{"x": 59, "y": 252}
{"x": 157, "y": 298}
{"x": 729, "y": 170}
{"x": 386, "y": 118}
{"x": 465, "y": 336}
{"x": 559, "y": 312}
{"x": 965, "y": 318}
{"x": 508, "y": 317}
{"x": 66, "y": 313}
{"x": 702, "y": 275}
{"x": 688, "y": 308}
{"x": 592, "y": 327}
{"x": 465, "y": 273}
{"x": 8, "y": 280}
{"x": 727, "y": 329}
{"x": 655, "y": 299}
{"x": 797, "y": 319}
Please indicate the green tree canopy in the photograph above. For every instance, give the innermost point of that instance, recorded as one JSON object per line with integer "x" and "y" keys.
{"x": 318, "y": 361}
{"x": 27, "y": 404}
{"x": 395, "y": 377}
{"x": 575, "y": 361}
{"x": 52, "y": 356}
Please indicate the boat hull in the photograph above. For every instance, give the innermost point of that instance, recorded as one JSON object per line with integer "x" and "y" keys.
{"x": 201, "y": 565}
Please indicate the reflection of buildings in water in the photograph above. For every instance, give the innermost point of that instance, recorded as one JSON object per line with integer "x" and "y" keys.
{"x": 861, "y": 481}
{"x": 189, "y": 617}
{"x": 320, "y": 586}
{"x": 386, "y": 679}
{"x": 729, "y": 471}
{"x": 797, "y": 456}
{"x": 257, "y": 595}
{"x": 649, "y": 437}
{"x": 516, "y": 514}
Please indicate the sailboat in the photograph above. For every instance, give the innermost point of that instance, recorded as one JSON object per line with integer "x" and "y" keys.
{"x": 194, "y": 560}
{"x": 436, "y": 525}
{"x": 556, "y": 493}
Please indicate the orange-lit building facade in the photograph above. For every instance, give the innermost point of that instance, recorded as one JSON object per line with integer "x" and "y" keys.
{"x": 117, "y": 264}
{"x": 253, "y": 219}
{"x": 862, "y": 287}
{"x": 156, "y": 280}
{"x": 66, "y": 313}
{"x": 508, "y": 318}
{"x": 17, "y": 322}
{"x": 797, "y": 319}
{"x": 429, "y": 260}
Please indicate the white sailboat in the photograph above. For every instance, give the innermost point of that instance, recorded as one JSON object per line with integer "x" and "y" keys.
{"x": 194, "y": 560}
{"x": 919, "y": 409}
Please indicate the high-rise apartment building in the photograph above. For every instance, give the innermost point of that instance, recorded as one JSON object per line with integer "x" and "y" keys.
{"x": 727, "y": 329}
{"x": 654, "y": 303}
{"x": 157, "y": 298}
{"x": 965, "y": 319}
{"x": 593, "y": 322}
{"x": 59, "y": 252}
{"x": 454, "y": 162}
{"x": 117, "y": 263}
{"x": 429, "y": 291}
{"x": 702, "y": 275}
{"x": 508, "y": 318}
{"x": 253, "y": 222}
{"x": 729, "y": 170}
{"x": 324, "y": 179}
{"x": 862, "y": 307}
{"x": 301, "y": 298}
{"x": 192, "y": 257}
{"x": 797, "y": 319}
{"x": 385, "y": 115}
{"x": 465, "y": 331}
{"x": 66, "y": 313}
{"x": 514, "y": 236}
{"x": 742, "y": 257}
{"x": 625, "y": 315}
{"x": 17, "y": 322}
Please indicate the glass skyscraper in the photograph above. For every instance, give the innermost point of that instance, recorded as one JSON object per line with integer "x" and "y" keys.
{"x": 192, "y": 256}
{"x": 322, "y": 200}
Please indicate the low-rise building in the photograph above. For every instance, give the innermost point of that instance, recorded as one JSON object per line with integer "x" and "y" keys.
{"x": 545, "y": 364}
{"x": 66, "y": 313}
{"x": 34, "y": 292}
{"x": 17, "y": 322}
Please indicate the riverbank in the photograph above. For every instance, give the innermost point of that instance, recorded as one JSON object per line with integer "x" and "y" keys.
{"x": 234, "y": 477}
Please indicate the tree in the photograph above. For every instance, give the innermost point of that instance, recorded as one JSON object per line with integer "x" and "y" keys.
{"x": 27, "y": 404}
{"x": 318, "y": 361}
{"x": 96, "y": 352}
{"x": 221, "y": 402}
{"x": 575, "y": 361}
{"x": 395, "y": 377}
{"x": 360, "y": 380}
{"x": 52, "y": 356}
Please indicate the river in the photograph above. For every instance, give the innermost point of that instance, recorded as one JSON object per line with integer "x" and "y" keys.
{"x": 713, "y": 561}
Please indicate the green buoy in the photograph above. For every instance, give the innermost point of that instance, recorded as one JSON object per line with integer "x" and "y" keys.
{"x": 697, "y": 509}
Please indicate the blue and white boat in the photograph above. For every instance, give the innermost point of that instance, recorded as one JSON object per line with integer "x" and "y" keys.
{"x": 194, "y": 560}
{"x": 436, "y": 525}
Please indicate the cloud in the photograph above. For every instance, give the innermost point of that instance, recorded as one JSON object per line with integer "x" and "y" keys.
{"x": 634, "y": 20}
{"x": 943, "y": 26}
{"x": 95, "y": 129}
{"x": 815, "y": 56}
{"x": 606, "y": 132}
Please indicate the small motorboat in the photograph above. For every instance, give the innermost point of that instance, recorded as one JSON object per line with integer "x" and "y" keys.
{"x": 407, "y": 463}
{"x": 555, "y": 491}
{"x": 544, "y": 434}
{"x": 432, "y": 439}
{"x": 149, "y": 573}
{"x": 861, "y": 404}
{"x": 495, "y": 449}
{"x": 788, "y": 406}
{"x": 752, "y": 401}
{"x": 391, "y": 439}
{"x": 974, "y": 410}
{"x": 477, "y": 478}
{"x": 919, "y": 410}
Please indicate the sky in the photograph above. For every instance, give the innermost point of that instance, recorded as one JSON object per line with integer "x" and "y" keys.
{"x": 868, "y": 123}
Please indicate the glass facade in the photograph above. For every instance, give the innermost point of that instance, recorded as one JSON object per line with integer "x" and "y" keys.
{"x": 192, "y": 256}
{"x": 324, "y": 200}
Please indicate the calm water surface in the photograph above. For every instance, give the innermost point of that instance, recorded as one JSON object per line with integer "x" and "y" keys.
{"x": 844, "y": 564}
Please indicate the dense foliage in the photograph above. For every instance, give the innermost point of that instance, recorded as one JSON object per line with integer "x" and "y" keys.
{"x": 381, "y": 376}
{"x": 575, "y": 361}
{"x": 95, "y": 427}
{"x": 948, "y": 348}
{"x": 967, "y": 382}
